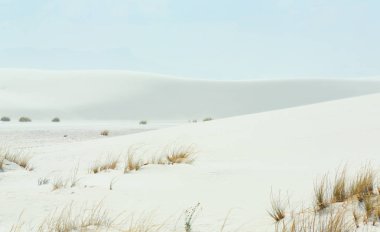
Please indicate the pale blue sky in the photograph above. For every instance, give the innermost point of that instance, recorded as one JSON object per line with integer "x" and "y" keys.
{"x": 210, "y": 39}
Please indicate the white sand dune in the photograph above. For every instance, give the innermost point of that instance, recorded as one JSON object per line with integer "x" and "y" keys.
{"x": 124, "y": 95}
{"x": 240, "y": 161}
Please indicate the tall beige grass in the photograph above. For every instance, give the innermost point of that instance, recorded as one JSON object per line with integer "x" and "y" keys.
{"x": 321, "y": 193}
{"x": 20, "y": 158}
{"x": 339, "y": 192}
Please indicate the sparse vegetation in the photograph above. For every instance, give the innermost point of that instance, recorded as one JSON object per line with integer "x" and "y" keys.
{"x": 5, "y": 119}
{"x": 181, "y": 154}
{"x": 20, "y": 158}
{"x": 143, "y": 122}
{"x": 65, "y": 220}
{"x": 207, "y": 119}
{"x": 24, "y": 119}
{"x": 56, "y": 119}
{"x": 190, "y": 216}
{"x": 344, "y": 207}
{"x": 363, "y": 184}
{"x": 277, "y": 211}
{"x": 105, "y": 132}
{"x": 110, "y": 163}
{"x": 43, "y": 181}
{"x": 339, "y": 189}
{"x": 132, "y": 164}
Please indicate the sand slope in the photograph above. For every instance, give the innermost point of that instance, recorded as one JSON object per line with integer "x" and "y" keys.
{"x": 130, "y": 95}
{"x": 240, "y": 161}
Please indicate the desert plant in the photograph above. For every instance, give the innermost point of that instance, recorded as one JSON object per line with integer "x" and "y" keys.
{"x": 110, "y": 163}
{"x": 339, "y": 192}
{"x": 132, "y": 164}
{"x": 207, "y": 119}
{"x": 56, "y": 119}
{"x": 143, "y": 122}
{"x": 2, "y": 158}
{"x": 368, "y": 208}
{"x": 20, "y": 158}
{"x": 65, "y": 220}
{"x": 43, "y": 181}
{"x": 190, "y": 216}
{"x": 5, "y": 119}
{"x": 321, "y": 190}
{"x": 277, "y": 211}
{"x": 105, "y": 132}
{"x": 181, "y": 154}
{"x": 364, "y": 183}
{"x": 24, "y": 119}
{"x": 59, "y": 183}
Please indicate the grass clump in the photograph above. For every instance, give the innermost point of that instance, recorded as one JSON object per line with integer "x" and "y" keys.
{"x": 24, "y": 119}
{"x": 65, "y": 220}
{"x": 20, "y": 158}
{"x": 132, "y": 164}
{"x": 181, "y": 154}
{"x": 143, "y": 122}
{"x": 5, "y": 119}
{"x": 321, "y": 191}
{"x": 207, "y": 119}
{"x": 277, "y": 211}
{"x": 339, "y": 192}
{"x": 56, "y": 119}
{"x": 109, "y": 164}
{"x": 364, "y": 183}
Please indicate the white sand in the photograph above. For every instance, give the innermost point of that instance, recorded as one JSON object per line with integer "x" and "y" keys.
{"x": 240, "y": 160}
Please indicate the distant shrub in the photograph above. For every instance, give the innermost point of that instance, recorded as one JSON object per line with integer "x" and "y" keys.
{"x": 207, "y": 119}
{"x": 25, "y": 119}
{"x": 56, "y": 119}
{"x": 105, "y": 132}
{"x": 143, "y": 122}
{"x": 5, "y": 119}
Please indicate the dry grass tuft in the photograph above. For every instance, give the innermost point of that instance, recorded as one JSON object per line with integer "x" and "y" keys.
{"x": 339, "y": 192}
{"x": 321, "y": 191}
{"x": 20, "y": 158}
{"x": 364, "y": 183}
{"x": 108, "y": 164}
{"x": 132, "y": 164}
{"x": 330, "y": 222}
{"x": 65, "y": 220}
{"x": 2, "y": 158}
{"x": 181, "y": 154}
{"x": 59, "y": 183}
{"x": 277, "y": 211}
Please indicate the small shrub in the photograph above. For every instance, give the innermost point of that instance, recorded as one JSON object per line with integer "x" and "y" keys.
{"x": 207, "y": 119}
{"x": 104, "y": 133}
{"x": 24, "y": 119}
{"x": 56, "y": 119}
{"x": 143, "y": 122}
{"x": 5, "y": 119}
